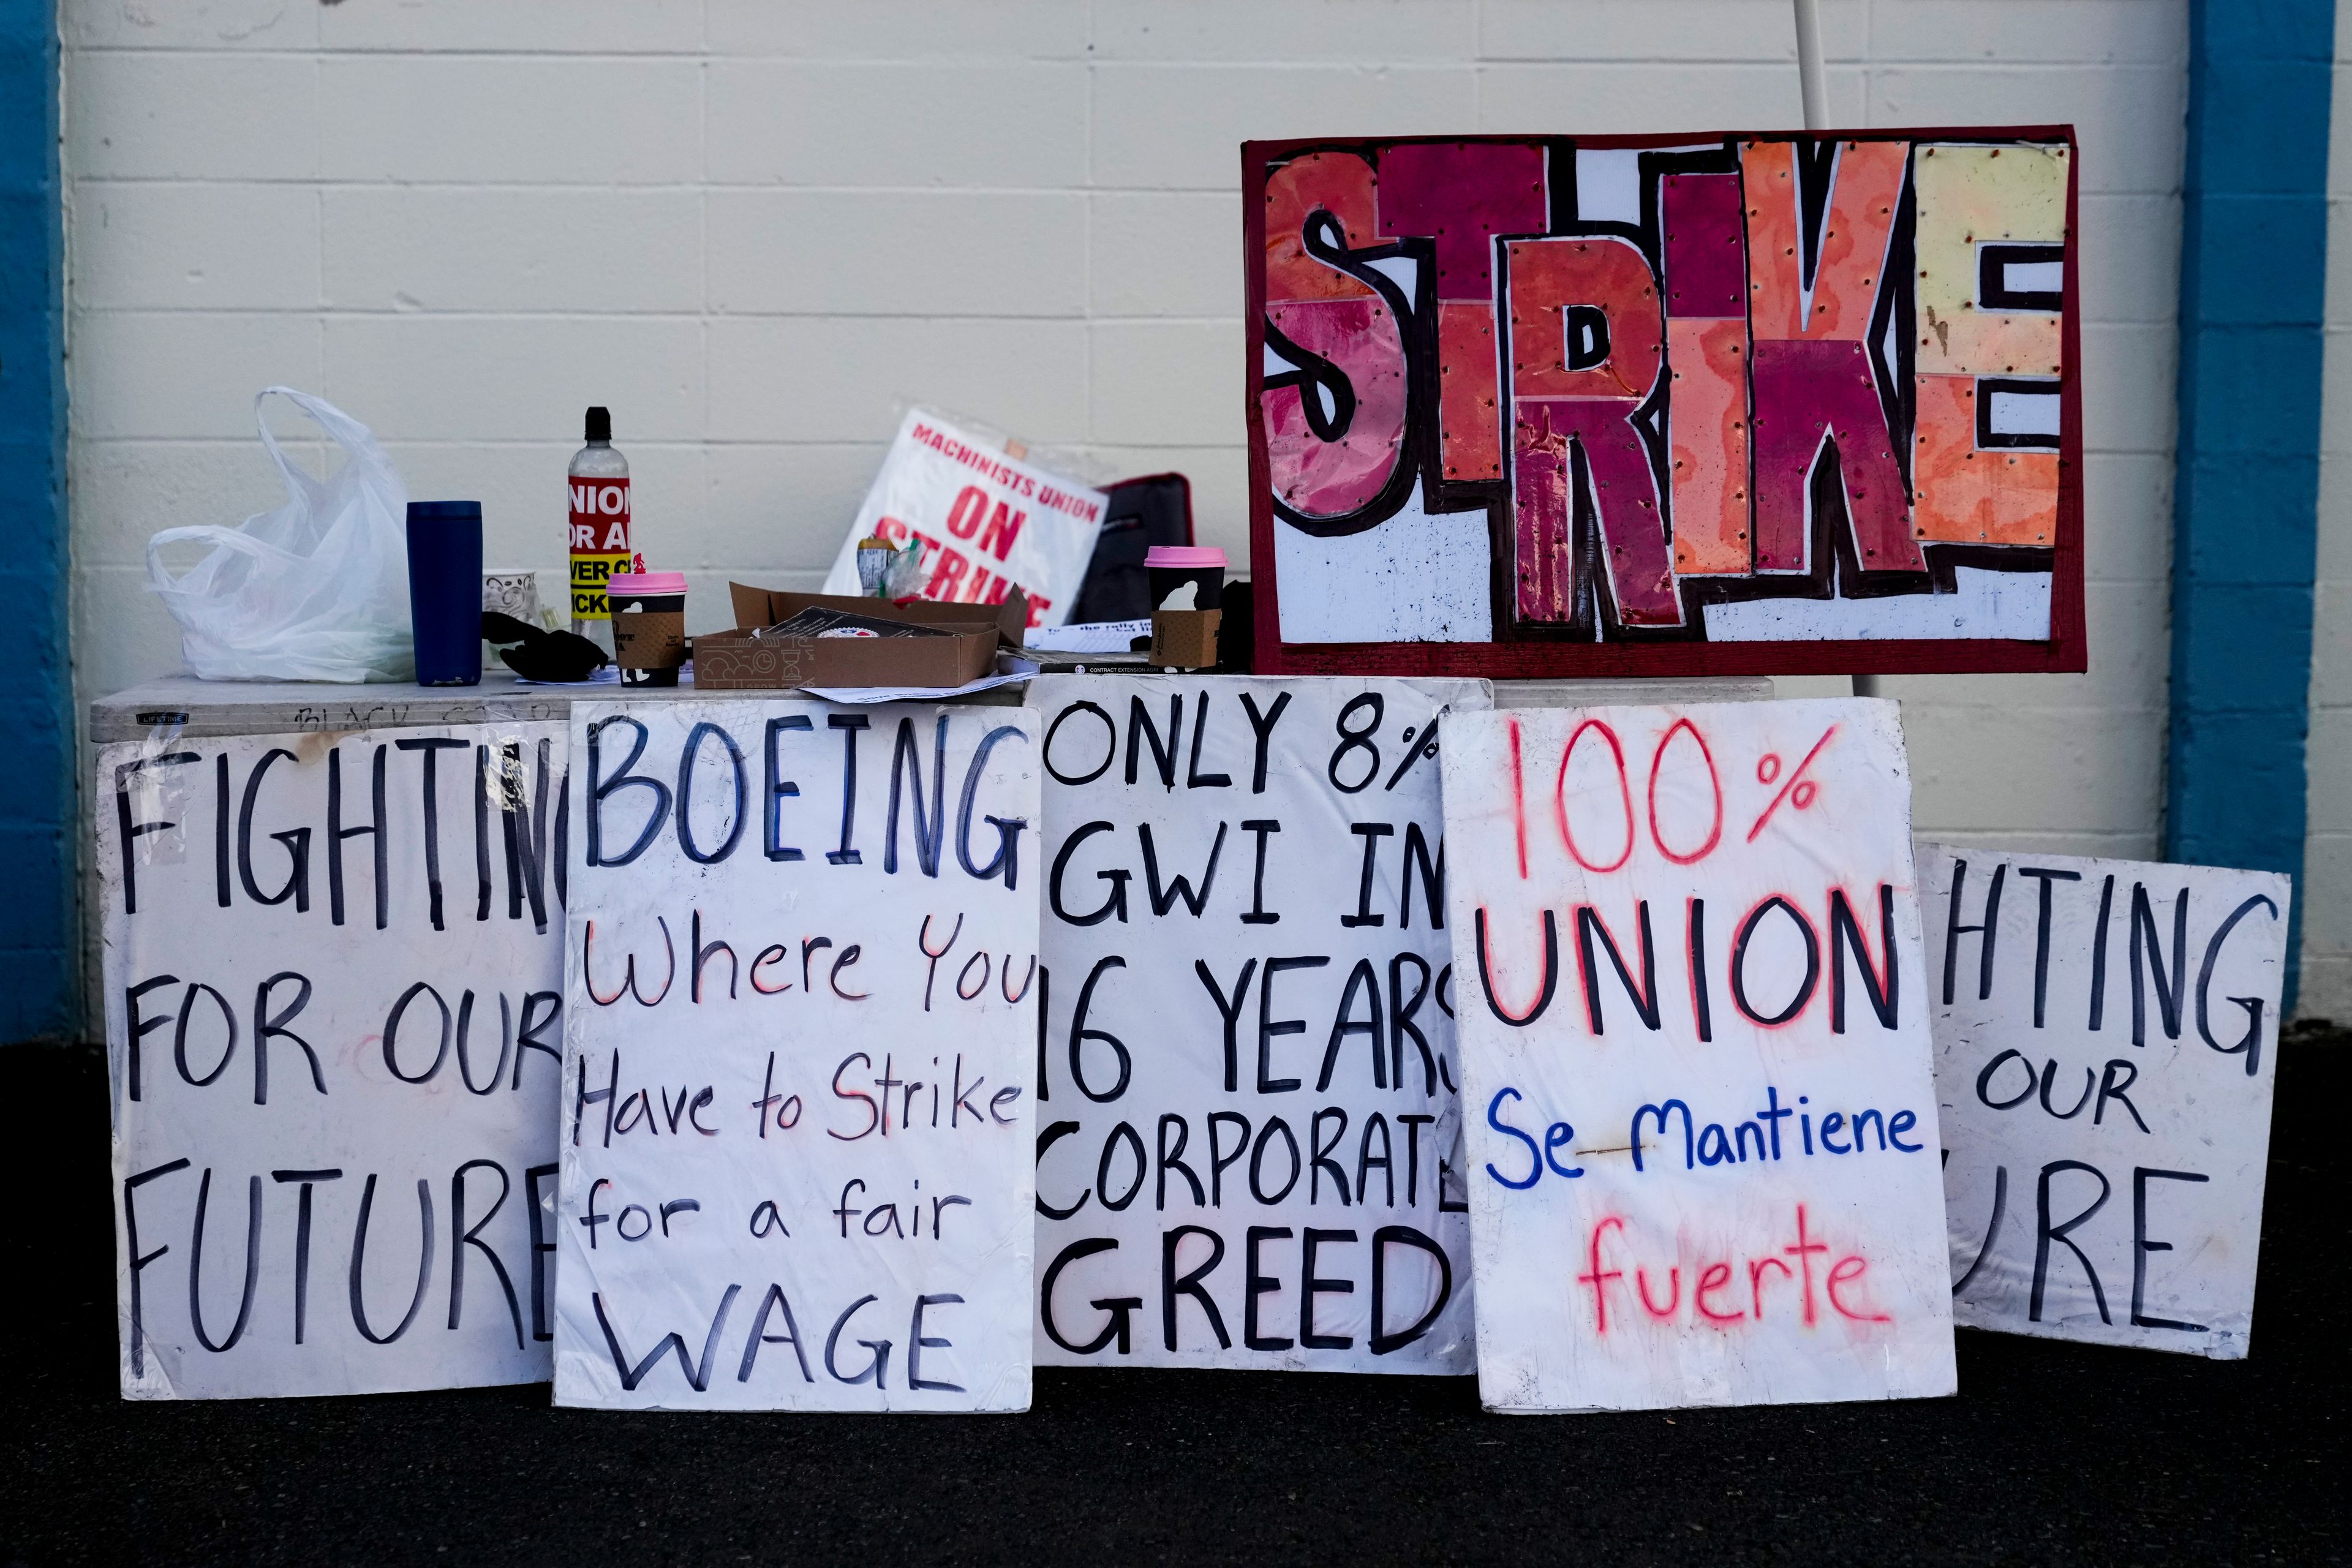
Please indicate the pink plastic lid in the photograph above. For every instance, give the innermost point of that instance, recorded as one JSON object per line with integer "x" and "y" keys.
{"x": 1184, "y": 556}
{"x": 645, "y": 583}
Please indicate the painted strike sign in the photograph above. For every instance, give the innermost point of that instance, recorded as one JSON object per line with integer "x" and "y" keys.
{"x": 1541, "y": 406}
{"x": 1694, "y": 1025}
{"x": 796, "y": 1129}
{"x": 334, "y": 1023}
{"x": 2107, "y": 1032}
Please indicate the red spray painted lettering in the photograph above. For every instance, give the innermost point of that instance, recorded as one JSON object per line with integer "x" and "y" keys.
{"x": 1839, "y": 1285}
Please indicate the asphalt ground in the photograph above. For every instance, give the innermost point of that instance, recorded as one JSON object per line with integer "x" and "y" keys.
{"x": 2050, "y": 1453}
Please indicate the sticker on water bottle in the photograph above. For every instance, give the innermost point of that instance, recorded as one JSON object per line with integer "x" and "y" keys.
{"x": 600, "y": 543}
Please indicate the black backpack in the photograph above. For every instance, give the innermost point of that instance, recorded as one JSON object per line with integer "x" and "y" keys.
{"x": 1154, "y": 510}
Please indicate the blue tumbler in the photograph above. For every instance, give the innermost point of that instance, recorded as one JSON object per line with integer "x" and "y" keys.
{"x": 445, "y": 590}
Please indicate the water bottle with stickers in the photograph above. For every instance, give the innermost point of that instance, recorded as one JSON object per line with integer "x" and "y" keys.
{"x": 600, "y": 542}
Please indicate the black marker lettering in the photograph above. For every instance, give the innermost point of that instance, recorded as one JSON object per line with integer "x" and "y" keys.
{"x": 850, "y": 724}
{"x": 1194, "y": 777}
{"x": 297, "y": 841}
{"x": 1178, "y": 887}
{"x": 252, "y": 1264}
{"x": 1163, "y": 756}
{"x": 2142, "y": 1247}
{"x": 128, "y": 832}
{"x": 1262, "y": 732}
{"x": 1269, "y": 1028}
{"x": 430, "y": 748}
{"x": 377, "y": 830}
{"x": 1310, "y": 1286}
{"x": 600, "y": 789}
{"x": 1259, "y": 914}
{"x": 2045, "y": 1233}
{"x": 685, "y": 759}
{"x": 1988, "y": 931}
{"x": 1172, "y": 1284}
{"x": 308, "y": 1179}
{"x": 1371, "y": 833}
{"x": 471, "y": 1236}
{"x": 2045, "y": 877}
{"x": 268, "y": 1026}
{"x": 929, "y": 829}
{"x": 1432, "y": 877}
{"x": 772, "y": 794}
{"x": 1254, "y": 1284}
{"x": 359, "y": 1263}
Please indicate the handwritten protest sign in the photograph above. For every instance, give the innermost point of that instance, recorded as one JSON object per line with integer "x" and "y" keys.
{"x": 2105, "y": 1036}
{"x": 796, "y": 1129}
{"x": 334, "y": 1023}
{"x": 1249, "y": 1125}
{"x": 1702, "y": 1129}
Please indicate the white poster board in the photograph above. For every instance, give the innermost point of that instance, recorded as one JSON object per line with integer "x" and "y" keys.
{"x": 333, "y": 1024}
{"x": 800, "y": 989}
{"x": 1249, "y": 1131}
{"x": 1694, "y": 1030}
{"x": 988, "y": 522}
{"x": 2107, "y": 1032}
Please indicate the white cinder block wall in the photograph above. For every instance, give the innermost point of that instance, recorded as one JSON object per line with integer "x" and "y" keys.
{"x": 753, "y": 229}
{"x": 2326, "y": 885}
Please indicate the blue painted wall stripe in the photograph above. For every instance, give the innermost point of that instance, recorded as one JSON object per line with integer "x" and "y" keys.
{"x": 2246, "y": 494}
{"x": 38, "y": 823}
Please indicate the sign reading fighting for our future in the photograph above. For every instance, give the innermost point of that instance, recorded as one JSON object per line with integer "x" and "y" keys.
{"x": 1694, "y": 1023}
{"x": 334, "y": 1026}
{"x": 1249, "y": 1147}
{"x": 796, "y": 1127}
{"x": 2105, "y": 1036}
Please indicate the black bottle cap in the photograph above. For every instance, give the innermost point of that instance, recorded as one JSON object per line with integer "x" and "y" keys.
{"x": 600, "y": 423}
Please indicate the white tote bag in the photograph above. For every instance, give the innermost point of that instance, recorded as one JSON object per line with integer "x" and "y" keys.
{"x": 317, "y": 590}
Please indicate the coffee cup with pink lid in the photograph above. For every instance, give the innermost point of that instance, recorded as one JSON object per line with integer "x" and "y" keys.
{"x": 648, "y": 625}
{"x": 1185, "y": 576}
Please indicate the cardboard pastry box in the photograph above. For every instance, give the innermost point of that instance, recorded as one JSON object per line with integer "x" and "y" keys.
{"x": 1185, "y": 639}
{"x": 737, "y": 661}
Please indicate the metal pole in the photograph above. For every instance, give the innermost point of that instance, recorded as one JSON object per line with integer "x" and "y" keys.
{"x": 1817, "y": 117}
{"x": 1808, "y": 65}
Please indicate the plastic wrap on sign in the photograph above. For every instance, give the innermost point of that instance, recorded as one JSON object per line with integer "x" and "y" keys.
{"x": 987, "y": 521}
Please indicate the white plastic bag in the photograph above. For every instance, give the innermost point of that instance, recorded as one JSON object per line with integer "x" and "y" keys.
{"x": 317, "y": 590}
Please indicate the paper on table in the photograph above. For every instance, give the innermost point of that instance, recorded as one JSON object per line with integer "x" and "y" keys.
{"x": 602, "y": 675}
{"x": 860, "y": 695}
{"x": 853, "y": 695}
{"x": 1090, "y": 636}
